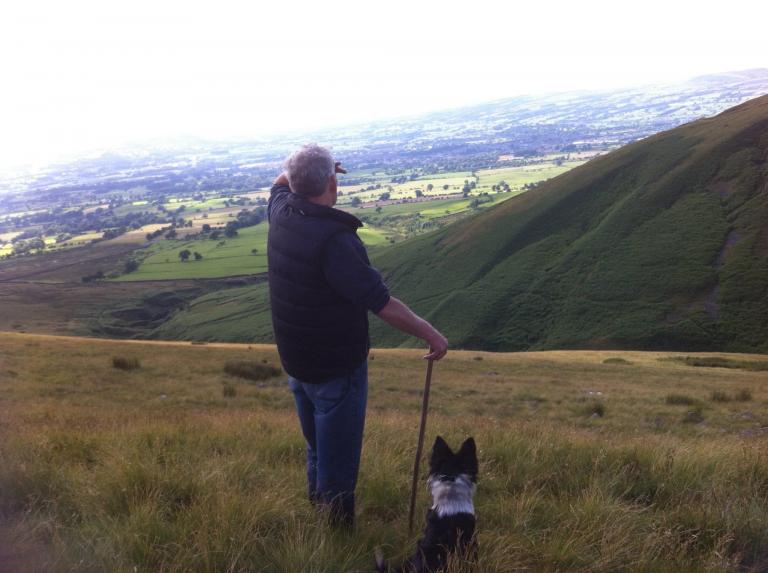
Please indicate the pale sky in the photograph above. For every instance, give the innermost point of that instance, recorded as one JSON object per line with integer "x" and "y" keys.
{"x": 80, "y": 75}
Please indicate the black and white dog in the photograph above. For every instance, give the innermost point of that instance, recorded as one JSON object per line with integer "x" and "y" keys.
{"x": 450, "y": 524}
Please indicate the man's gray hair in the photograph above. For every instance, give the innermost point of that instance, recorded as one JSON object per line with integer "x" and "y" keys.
{"x": 308, "y": 169}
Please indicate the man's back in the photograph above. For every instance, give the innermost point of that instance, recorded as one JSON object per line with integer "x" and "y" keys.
{"x": 319, "y": 319}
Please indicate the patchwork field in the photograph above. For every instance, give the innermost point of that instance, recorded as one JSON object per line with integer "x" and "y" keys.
{"x": 453, "y": 182}
{"x": 388, "y": 221}
{"x": 589, "y": 461}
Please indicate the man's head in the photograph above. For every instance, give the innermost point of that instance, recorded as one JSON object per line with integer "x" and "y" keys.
{"x": 312, "y": 174}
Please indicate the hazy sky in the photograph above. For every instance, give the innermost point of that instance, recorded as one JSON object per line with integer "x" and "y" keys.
{"x": 80, "y": 75}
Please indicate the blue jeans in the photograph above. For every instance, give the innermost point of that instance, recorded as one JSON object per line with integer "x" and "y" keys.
{"x": 332, "y": 417}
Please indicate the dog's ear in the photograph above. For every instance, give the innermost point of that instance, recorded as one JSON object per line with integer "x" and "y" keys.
{"x": 440, "y": 451}
{"x": 468, "y": 456}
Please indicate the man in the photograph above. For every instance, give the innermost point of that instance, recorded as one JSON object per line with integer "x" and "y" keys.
{"x": 321, "y": 288}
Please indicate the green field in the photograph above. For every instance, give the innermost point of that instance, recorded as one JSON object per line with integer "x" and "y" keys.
{"x": 515, "y": 177}
{"x": 234, "y": 257}
{"x": 221, "y": 257}
{"x": 589, "y": 461}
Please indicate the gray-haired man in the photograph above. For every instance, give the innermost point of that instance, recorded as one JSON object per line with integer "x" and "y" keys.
{"x": 321, "y": 289}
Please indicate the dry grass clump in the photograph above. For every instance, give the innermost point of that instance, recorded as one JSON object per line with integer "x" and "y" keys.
{"x": 694, "y": 416}
{"x": 594, "y": 409}
{"x": 251, "y": 370}
{"x": 720, "y": 362}
{"x": 616, "y": 360}
{"x": 742, "y": 395}
{"x": 228, "y": 390}
{"x": 125, "y": 362}
{"x": 680, "y": 400}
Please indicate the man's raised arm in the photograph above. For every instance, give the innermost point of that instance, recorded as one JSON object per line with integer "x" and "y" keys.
{"x": 397, "y": 314}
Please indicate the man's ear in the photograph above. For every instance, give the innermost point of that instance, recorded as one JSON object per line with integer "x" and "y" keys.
{"x": 332, "y": 189}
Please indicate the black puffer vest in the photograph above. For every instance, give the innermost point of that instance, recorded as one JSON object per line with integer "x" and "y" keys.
{"x": 320, "y": 335}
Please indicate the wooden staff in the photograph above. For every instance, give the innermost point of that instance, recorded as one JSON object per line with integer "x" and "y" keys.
{"x": 420, "y": 446}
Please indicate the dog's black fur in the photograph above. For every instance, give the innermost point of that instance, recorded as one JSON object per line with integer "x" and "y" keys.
{"x": 450, "y": 527}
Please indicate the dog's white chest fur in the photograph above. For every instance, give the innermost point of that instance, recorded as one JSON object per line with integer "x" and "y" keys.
{"x": 452, "y": 497}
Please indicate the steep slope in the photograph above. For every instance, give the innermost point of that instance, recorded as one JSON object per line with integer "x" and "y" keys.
{"x": 661, "y": 244}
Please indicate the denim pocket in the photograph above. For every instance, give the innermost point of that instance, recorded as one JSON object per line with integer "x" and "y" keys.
{"x": 327, "y": 395}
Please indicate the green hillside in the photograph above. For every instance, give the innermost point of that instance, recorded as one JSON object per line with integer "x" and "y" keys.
{"x": 661, "y": 244}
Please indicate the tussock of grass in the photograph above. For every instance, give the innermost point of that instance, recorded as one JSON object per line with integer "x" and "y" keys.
{"x": 720, "y": 396}
{"x": 693, "y": 416}
{"x": 251, "y": 370}
{"x": 616, "y": 360}
{"x": 595, "y": 409}
{"x": 228, "y": 390}
{"x": 680, "y": 400}
{"x": 720, "y": 362}
{"x": 125, "y": 362}
{"x": 742, "y": 395}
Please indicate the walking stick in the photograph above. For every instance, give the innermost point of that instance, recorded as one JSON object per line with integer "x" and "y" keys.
{"x": 424, "y": 407}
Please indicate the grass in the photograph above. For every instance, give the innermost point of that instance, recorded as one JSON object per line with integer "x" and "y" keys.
{"x": 658, "y": 245}
{"x": 740, "y": 396}
{"x": 125, "y": 362}
{"x": 680, "y": 399}
{"x": 616, "y": 360}
{"x": 221, "y": 257}
{"x": 721, "y": 362}
{"x": 170, "y": 471}
{"x": 251, "y": 370}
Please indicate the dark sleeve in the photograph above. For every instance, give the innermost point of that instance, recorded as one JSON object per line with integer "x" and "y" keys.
{"x": 349, "y": 272}
{"x": 277, "y": 197}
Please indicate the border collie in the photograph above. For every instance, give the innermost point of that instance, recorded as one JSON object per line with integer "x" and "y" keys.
{"x": 450, "y": 524}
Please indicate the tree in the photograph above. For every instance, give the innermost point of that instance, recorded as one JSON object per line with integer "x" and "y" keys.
{"x": 430, "y": 187}
{"x": 355, "y": 201}
{"x": 419, "y": 192}
{"x": 171, "y": 234}
{"x": 206, "y": 228}
{"x": 445, "y": 187}
{"x": 131, "y": 265}
{"x": 184, "y": 255}
{"x": 384, "y": 196}
{"x": 198, "y": 256}
{"x": 231, "y": 229}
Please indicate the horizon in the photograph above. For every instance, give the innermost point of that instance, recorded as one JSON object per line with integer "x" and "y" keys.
{"x": 122, "y": 78}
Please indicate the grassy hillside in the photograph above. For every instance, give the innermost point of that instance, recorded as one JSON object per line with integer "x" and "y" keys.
{"x": 661, "y": 244}
{"x": 589, "y": 461}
